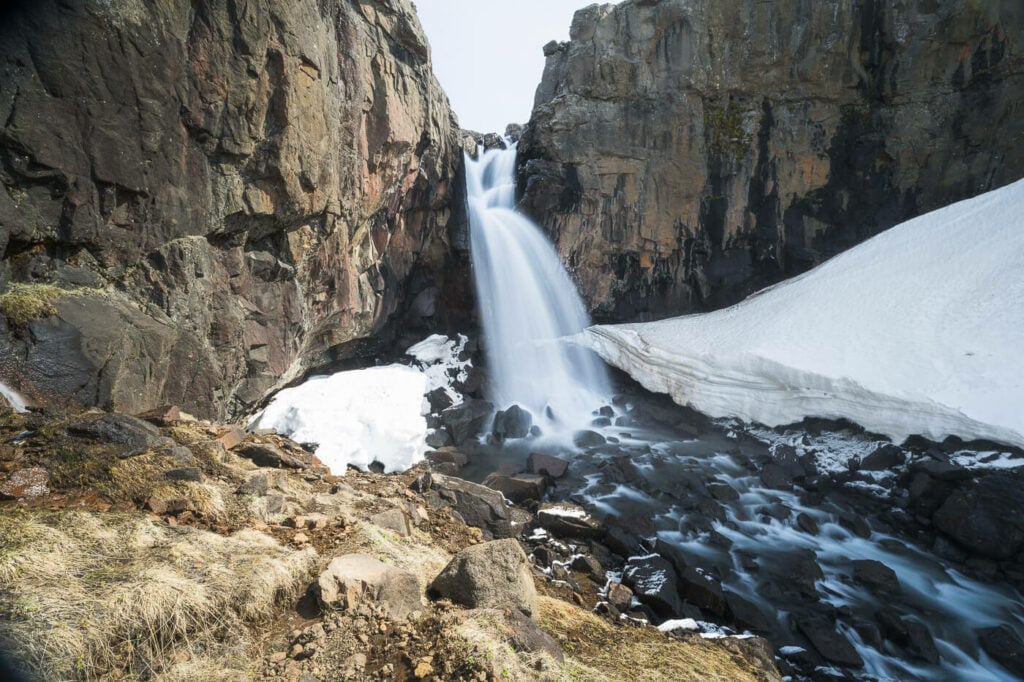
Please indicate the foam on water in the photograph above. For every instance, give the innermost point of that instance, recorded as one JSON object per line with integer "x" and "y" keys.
{"x": 528, "y": 306}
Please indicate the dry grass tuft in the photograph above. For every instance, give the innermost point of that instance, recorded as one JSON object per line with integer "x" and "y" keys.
{"x": 85, "y": 594}
{"x": 597, "y": 650}
{"x": 24, "y": 303}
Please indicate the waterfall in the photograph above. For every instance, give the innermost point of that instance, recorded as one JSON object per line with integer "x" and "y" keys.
{"x": 528, "y": 306}
{"x": 13, "y": 398}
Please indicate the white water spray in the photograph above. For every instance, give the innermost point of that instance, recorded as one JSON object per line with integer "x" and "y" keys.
{"x": 528, "y": 305}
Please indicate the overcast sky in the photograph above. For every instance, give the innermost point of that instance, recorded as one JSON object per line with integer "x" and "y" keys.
{"x": 488, "y": 54}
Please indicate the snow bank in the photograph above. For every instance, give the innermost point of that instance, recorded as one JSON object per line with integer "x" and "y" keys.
{"x": 916, "y": 331}
{"x": 356, "y": 417}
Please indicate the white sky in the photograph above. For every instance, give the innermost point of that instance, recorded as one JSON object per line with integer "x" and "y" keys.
{"x": 488, "y": 54}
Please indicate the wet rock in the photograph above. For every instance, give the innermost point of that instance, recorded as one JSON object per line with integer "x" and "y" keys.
{"x": 876, "y": 576}
{"x": 439, "y": 400}
{"x": 920, "y": 643}
{"x": 518, "y": 488}
{"x": 25, "y": 484}
{"x": 135, "y": 435}
{"x": 986, "y": 516}
{"x": 885, "y": 458}
{"x": 702, "y": 590}
{"x": 465, "y": 422}
{"x": 600, "y": 422}
{"x": 621, "y": 541}
{"x": 354, "y": 579}
{"x": 439, "y": 438}
{"x": 807, "y": 524}
{"x": 569, "y": 521}
{"x": 785, "y": 456}
{"x": 620, "y": 596}
{"x": 827, "y": 641}
{"x": 855, "y": 524}
{"x": 589, "y": 566}
{"x": 490, "y": 575}
{"x": 654, "y": 583}
{"x": 588, "y": 439}
{"x": 267, "y": 455}
{"x": 478, "y": 505}
{"x": 515, "y": 422}
{"x": 776, "y": 477}
{"x": 1004, "y": 645}
{"x": 723, "y": 492}
{"x": 555, "y": 467}
{"x": 745, "y": 614}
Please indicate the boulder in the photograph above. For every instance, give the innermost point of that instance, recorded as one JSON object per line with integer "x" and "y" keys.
{"x": 515, "y": 422}
{"x": 465, "y": 422}
{"x": 489, "y": 575}
{"x": 133, "y": 434}
{"x": 525, "y": 635}
{"x": 776, "y": 477}
{"x": 745, "y": 614}
{"x": 986, "y": 516}
{"x": 876, "y": 576}
{"x": 395, "y": 520}
{"x": 654, "y": 583}
{"x": 267, "y": 455}
{"x": 702, "y": 590}
{"x": 827, "y": 641}
{"x": 885, "y": 458}
{"x": 568, "y": 521}
{"x": 356, "y": 578}
{"x": 588, "y": 439}
{"x": 547, "y": 465}
{"x": 1004, "y": 645}
{"x": 478, "y": 505}
{"x": 620, "y": 596}
{"x": 518, "y": 488}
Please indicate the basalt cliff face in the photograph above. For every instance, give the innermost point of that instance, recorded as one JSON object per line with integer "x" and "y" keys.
{"x": 225, "y": 194}
{"x": 685, "y": 153}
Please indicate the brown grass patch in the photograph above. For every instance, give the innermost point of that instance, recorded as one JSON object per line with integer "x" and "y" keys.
{"x": 602, "y": 651}
{"x": 84, "y": 594}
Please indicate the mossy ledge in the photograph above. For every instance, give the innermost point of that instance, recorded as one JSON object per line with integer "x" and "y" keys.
{"x": 24, "y": 303}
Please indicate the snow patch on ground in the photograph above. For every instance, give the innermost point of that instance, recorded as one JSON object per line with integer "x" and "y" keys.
{"x": 916, "y": 331}
{"x": 438, "y": 358}
{"x": 357, "y": 418}
{"x": 684, "y": 624}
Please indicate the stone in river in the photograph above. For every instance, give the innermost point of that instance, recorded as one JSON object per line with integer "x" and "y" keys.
{"x": 654, "y": 583}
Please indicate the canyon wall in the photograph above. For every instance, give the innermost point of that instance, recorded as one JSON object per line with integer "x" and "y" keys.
{"x": 205, "y": 200}
{"x": 686, "y": 153}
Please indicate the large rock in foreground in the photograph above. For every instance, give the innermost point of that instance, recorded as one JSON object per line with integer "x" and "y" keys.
{"x": 203, "y": 201}
{"x": 490, "y": 575}
{"x": 685, "y": 154}
{"x": 355, "y": 578}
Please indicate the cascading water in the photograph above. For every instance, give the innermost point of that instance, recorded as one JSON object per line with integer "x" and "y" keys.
{"x": 528, "y": 305}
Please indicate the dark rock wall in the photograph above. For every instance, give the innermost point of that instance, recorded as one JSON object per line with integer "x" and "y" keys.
{"x": 233, "y": 192}
{"x": 685, "y": 153}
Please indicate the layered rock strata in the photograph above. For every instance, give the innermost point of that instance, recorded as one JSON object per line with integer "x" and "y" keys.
{"x": 685, "y": 153}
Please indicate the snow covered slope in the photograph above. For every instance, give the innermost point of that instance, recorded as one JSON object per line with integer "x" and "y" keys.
{"x": 919, "y": 330}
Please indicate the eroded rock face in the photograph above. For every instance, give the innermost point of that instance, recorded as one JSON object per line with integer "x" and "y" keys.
{"x": 235, "y": 193}
{"x": 685, "y": 153}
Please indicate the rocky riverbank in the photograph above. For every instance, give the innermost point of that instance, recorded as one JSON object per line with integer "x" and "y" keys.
{"x": 168, "y": 548}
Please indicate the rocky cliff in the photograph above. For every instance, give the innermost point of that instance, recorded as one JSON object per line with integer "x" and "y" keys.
{"x": 204, "y": 200}
{"x": 685, "y": 153}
